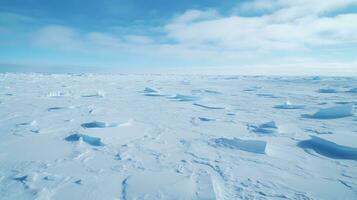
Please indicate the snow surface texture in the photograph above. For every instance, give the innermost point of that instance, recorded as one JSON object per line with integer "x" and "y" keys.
{"x": 177, "y": 137}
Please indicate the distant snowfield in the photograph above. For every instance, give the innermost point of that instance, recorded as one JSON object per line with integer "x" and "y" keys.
{"x": 177, "y": 137}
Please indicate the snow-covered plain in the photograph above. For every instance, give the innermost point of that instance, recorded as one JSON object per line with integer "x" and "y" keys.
{"x": 177, "y": 137}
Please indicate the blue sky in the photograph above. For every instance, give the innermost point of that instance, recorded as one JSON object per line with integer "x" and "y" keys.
{"x": 159, "y": 35}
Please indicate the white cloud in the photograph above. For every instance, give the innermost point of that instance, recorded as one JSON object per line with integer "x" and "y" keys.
{"x": 295, "y": 25}
{"x": 195, "y": 15}
{"x": 258, "y": 5}
{"x": 295, "y": 28}
{"x": 298, "y": 7}
{"x": 68, "y": 38}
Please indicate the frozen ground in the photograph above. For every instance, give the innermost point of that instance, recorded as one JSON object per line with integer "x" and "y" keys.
{"x": 177, "y": 137}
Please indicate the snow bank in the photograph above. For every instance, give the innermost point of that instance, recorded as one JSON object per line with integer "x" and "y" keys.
{"x": 254, "y": 146}
{"x": 329, "y": 149}
{"x": 334, "y": 112}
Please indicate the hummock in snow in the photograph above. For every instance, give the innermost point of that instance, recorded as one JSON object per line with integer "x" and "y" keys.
{"x": 148, "y": 91}
{"x": 264, "y": 128}
{"x": 338, "y": 111}
{"x": 329, "y": 149}
{"x": 254, "y": 146}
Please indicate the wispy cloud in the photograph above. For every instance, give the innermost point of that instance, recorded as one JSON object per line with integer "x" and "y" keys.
{"x": 72, "y": 39}
{"x": 283, "y": 30}
{"x": 292, "y": 26}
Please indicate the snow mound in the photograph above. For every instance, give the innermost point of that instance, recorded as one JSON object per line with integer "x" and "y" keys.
{"x": 148, "y": 91}
{"x": 180, "y": 97}
{"x": 339, "y": 111}
{"x": 97, "y": 124}
{"x": 94, "y": 141}
{"x": 327, "y": 90}
{"x": 253, "y": 146}
{"x": 288, "y": 105}
{"x": 329, "y": 149}
{"x": 209, "y": 106}
{"x": 265, "y": 128}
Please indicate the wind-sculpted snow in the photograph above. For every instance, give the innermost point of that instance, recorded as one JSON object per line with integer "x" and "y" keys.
{"x": 148, "y": 91}
{"x": 329, "y": 149}
{"x": 333, "y": 112}
{"x": 97, "y": 124}
{"x": 254, "y": 146}
{"x": 204, "y": 119}
{"x": 265, "y": 128}
{"x": 87, "y": 137}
